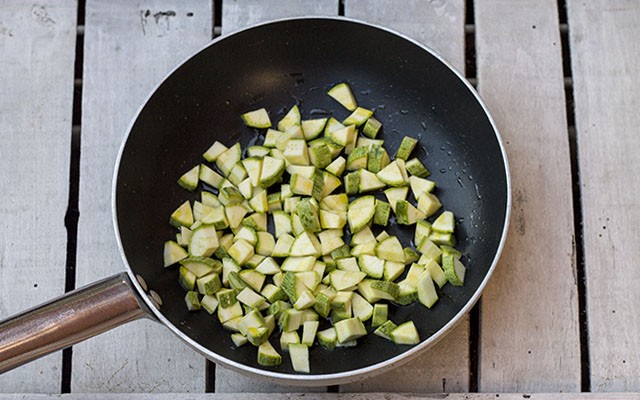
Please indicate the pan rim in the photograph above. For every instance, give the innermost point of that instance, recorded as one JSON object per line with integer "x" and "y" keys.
{"x": 339, "y": 377}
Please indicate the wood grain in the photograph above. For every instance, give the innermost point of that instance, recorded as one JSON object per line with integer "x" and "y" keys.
{"x": 439, "y": 25}
{"x": 37, "y": 49}
{"x": 129, "y": 47}
{"x": 605, "y": 52}
{"x": 333, "y": 396}
{"x": 238, "y": 14}
{"x": 529, "y": 316}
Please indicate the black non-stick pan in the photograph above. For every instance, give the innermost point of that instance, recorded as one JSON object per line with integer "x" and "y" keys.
{"x": 413, "y": 91}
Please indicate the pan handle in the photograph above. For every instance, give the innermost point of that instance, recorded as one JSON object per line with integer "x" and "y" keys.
{"x": 69, "y": 319}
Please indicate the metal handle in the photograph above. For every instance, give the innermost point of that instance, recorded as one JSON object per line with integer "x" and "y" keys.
{"x": 69, "y": 319}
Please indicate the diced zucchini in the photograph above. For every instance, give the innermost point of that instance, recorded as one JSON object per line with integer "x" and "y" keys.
{"x": 405, "y": 333}
{"x": 377, "y": 159}
{"x": 410, "y": 256}
{"x": 250, "y": 298}
{"x": 337, "y": 166}
{"x": 252, "y": 278}
{"x": 343, "y": 136}
{"x": 296, "y": 152}
{"x": 444, "y": 223}
{"x": 372, "y": 294}
{"x": 239, "y": 339}
{"x": 283, "y": 246}
{"x": 209, "y": 284}
{"x": 361, "y": 308}
{"x": 426, "y": 290}
{"x": 406, "y": 147}
{"x": 346, "y": 280}
{"x": 257, "y": 151}
{"x": 382, "y": 236}
{"x": 290, "y": 320}
{"x": 204, "y": 241}
{"x": 442, "y": 239}
{"x": 268, "y": 356}
{"x": 416, "y": 168}
{"x": 187, "y": 279}
{"x": 307, "y": 211}
{"x": 209, "y": 303}
{"x": 182, "y": 216}
{"x": 214, "y": 151}
{"x": 357, "y": 159}
{"x": 369, "y": 182}
{"x": 190, "y": 178}
{"x": 358, "y": 117}
{"x": 388, "y": 287}
{"x": 372, "y": 266}
{"x": 454, "y": 270}
{"x": 266, "y": 244}
{"x": 423, "y": 229}
{"x": 396, "y": 194}
{"x": 392, "y": 270}
{"x": 349, "y": 329}
{"x": 360, "y": 213}
{"x": 328, "y": 338}
{"x": 385, "y": 329}
{"x": 329, "y": 183}
{"x": 343, "y": 95}
{"x": 192, "y": 301}
{"x": 241, "y": 251}
{"x": 313, "y": 128}
{"x": 253, "y": 166}
{"x": 257, "y": 119}
{"x": 298, "y": 264}
{"x": 290, "y": 119}
{"x": 272, "y": 170}
{"x": 307, "y": 244}
{"x": 299, "y": 354}
{"x": 392, "y": 175}
{"x": 407, "y": 214}
{"x": 228, "y": 159}
{"x": 380, "y": 314}
{"x": 382, "y": 213}
{"x": 390, "y": 249}
{"x": 420, "y": 185}
{"x": 371, "y": 128}
{"x": 173, "y": 253}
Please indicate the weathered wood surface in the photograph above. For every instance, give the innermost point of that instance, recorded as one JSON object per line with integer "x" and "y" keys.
{"x": 439, "y": 25}
{"x": 238, "y": 14}
{"x": 37, "y": 50}
{"x": 605, "y": 44}
{"x": 529, "y": 316}
{"x": 332, "y": 396}
{"x": 129, "y": 48}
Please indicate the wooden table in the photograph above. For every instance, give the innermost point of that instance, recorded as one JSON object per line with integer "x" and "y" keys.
{"x": 561, "y": 312}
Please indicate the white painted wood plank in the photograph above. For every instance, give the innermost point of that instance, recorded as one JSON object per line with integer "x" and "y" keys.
{"x": 238, "y": 14}
{"x": 443, "y": 368}
{"x": 439, "y": 25}
{"x": 129, "y": 47}
{"x": 333, "y": 396}
{"x": 37, "y": 50}
{"x": 605, "y": 53}
{"x": 529, "y": 316}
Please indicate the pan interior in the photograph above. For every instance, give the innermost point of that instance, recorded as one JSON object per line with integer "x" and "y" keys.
{"x": 295, "y": 62}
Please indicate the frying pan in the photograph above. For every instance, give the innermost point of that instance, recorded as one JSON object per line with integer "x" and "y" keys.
{"x": 275, "y": 65}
